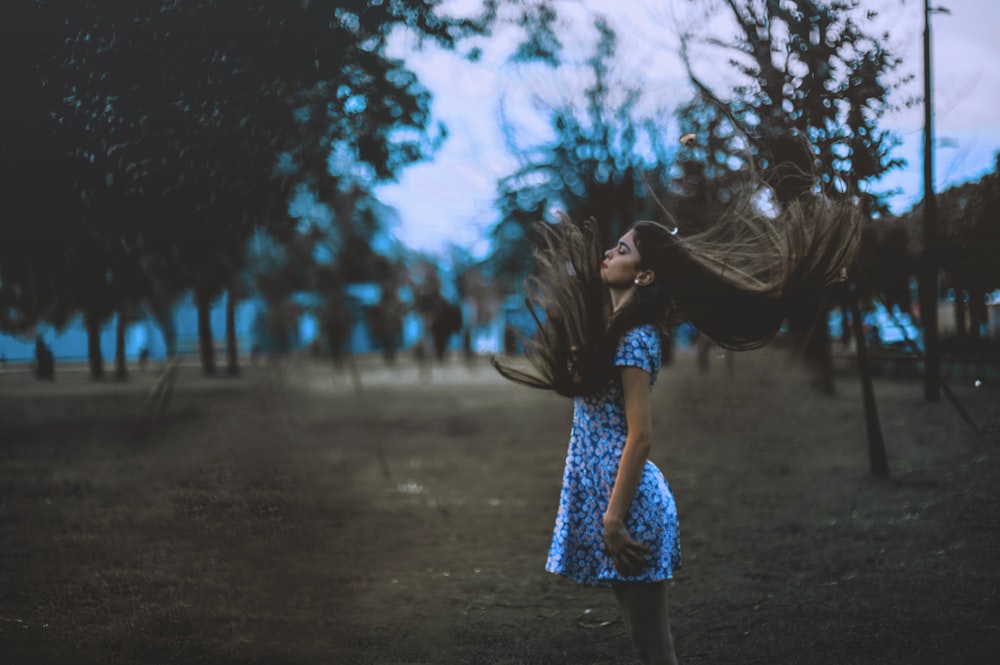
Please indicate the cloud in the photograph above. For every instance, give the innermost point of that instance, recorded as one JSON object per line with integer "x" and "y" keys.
{"x": 450, "y": 199}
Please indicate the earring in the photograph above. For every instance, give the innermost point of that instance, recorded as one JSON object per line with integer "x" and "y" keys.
{"x": 636, "y": 282}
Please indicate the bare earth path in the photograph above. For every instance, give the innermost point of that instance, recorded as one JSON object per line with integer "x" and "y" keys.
{"x": 252, "y": 523}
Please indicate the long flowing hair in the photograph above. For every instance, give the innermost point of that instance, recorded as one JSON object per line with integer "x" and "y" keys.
{"x": 736, "y": 281}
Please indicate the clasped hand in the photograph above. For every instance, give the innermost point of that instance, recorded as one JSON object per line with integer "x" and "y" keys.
{"x": 629, "y": 555}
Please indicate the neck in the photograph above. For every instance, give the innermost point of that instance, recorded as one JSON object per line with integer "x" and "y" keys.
{"x": 621, "y": 297}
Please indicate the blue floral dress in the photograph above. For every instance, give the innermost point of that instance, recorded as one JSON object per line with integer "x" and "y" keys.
{"x": 595, "y": 448}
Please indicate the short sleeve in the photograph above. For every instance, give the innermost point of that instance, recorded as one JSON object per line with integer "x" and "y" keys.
{"x": 639, "y": 347}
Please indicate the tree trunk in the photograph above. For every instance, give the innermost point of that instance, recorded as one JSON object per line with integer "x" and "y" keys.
{"x": 960, "y": 308}
{"x": 877, "y": 458}
{"x": 390, "y": 348}
{"x": 205, "y": 342}
{"x": 845, "y": 323}
{"x": 977, "y": 312}
{"x": 164, "y": 316}
{"x": 812, "y": 336}
{"x": 704, "y": 351}
{"x": 232, "y": 351}
{"x": 467, "y": 346}
{"x": 121, "y": 371}
{"x": 932, "y": 340}
{"x": 336, "y": 344}
{"x": 94, "y": 358}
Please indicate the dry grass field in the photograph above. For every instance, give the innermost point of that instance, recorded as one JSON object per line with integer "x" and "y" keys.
{"x": 252, "y": 522}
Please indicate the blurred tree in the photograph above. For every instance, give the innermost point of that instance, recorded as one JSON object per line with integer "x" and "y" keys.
{"x": 441, "y": 318}
{"x": 190, "y": 106}
{"x": 478, "y": 291}
{"x": 34, "y": 160}
{"x": 707, "y": 176}
{"x": 313, "y": 271}
{"x": 888, "y": 261}
{"x": 446, "y": 321}
{"x": 814, "y": 89}
{"x": 597, "y": 165}
{"x": 385, "y": 319}
{"x": 282, "y": 273}
{"x": 970, "y": 244}
{"x": 356, "y": 224}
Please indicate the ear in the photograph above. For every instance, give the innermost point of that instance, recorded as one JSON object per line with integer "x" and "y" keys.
{"x": 645, "y": 277}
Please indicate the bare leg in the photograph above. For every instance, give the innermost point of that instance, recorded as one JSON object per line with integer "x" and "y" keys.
{"x": 644, "y": 607}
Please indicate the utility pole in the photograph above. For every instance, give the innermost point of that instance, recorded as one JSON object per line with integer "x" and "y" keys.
{"x": 929, "y": 277}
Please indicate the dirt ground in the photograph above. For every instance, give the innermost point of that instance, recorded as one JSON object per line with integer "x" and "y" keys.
{"x": 253, "y": 521}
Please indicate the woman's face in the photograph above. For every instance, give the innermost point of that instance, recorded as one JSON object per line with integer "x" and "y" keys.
{"x": 620, "y": 266}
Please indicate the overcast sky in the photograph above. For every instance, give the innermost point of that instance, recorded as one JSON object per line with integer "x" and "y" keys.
{"x": 450, "y": 198}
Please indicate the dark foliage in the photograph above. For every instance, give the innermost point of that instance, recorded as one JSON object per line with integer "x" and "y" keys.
{"x": 142, "y": 140}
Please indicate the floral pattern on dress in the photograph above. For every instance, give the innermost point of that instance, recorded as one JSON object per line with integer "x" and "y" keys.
{"x": 595, "y": 447}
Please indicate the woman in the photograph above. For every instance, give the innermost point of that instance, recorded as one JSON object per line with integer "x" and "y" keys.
{"x": 599, "y": 341}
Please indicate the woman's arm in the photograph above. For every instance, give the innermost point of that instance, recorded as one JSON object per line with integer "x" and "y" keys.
{"x": 628, "y": 554}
